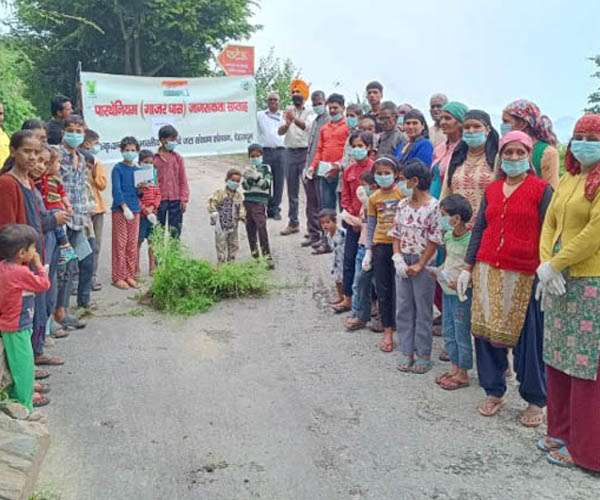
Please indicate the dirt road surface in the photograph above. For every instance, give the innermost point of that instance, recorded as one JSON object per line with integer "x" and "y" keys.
{"x": 271, "y": 399}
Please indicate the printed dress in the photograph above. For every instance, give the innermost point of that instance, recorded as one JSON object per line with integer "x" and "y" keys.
{"x": 337, "y": 243}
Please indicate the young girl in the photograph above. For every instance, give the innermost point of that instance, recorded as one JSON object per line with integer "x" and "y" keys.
{"x": 125, "y": 216}
{"x": 149, "y": 203}
{"x": 336, "y": 237}
{"x": 416, "y": 232}
{"x": 381, "y": 211}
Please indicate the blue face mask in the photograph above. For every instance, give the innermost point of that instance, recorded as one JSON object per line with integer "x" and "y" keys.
{"x": 445, "y": 223}
{"x": 319, "y": 109}
{"x": 505, "y": 128}
{"x": 474, "y": 139}
{"x": 256, "y": 161}
{"x": 337, "y": 117}
{"x": 406, "y": 191}
{"x": 95, "y": 149}
{"x": 171, "y": 145}
{"x": 73, "y": 139}
{"x": 586, "y": 152}
{"x": 514, "y": 168}
{"x": 130, "y": 156}
{"x": 358, "y": 154}
{"x": 384, "y": 180}
{"x": 232, "y": 185}
{"x": 400, "y": 120}
{"x": 352, "y": 121}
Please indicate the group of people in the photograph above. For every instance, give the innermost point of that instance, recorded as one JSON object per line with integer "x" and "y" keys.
{"x": 458, "y": 222}
{"x": 51, "y": 225}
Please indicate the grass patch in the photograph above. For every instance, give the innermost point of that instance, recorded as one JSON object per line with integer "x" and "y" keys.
{"x": 186, "y": 286}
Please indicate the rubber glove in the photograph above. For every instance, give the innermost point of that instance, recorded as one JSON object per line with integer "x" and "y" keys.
{"x": 400, "y": 265}
{"x": 552, "y": 281}
{"x": 367, "y": 262}
{"x": 127, "y": 213}
{"x": 463, "y": 282}
{"x": 152, "y": 219}
{"x": 214, "y": 217}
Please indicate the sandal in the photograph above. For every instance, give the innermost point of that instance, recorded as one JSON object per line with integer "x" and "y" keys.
{"x": 387, "y": 345}
{"x": 341, "y": 308}
{"x": 493, "y": 405}
{"x": 41, "y": 388}
{"x": 73, "y": 323}
{"x": 405, "y": 364}
{"x": 439, "y": 378}
{"x": 44, "y": 359}
{"x": 120, "y": 284}
{"x": 41, "y": 374}
{"x": 560, "y": 457}
{"x": 40, "y": 400}
{"x": 548, "y": 444}
{"x": 321, "y": 250}
{"x": 424, "y": 363}
{"x": 444, "y": 356}
{"x": 355, "y": 324}
{"x": 452, "y": 384}
{"x": 533, "y": 416}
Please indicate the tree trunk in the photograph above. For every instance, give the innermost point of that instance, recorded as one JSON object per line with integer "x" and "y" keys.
{"x": 137, "y": 54}
{"x": 127, "y": 56}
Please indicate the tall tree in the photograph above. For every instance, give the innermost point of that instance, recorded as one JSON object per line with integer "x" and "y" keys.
{"x": 594, "y": 97}
{"x": 274, "y": 75}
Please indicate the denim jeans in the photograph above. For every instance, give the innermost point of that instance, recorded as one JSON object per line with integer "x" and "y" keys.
{"x": 456, "y": 329}
{"x": 328, "y": 189}
{"x": 362, "y": 288}
{"x": 350, "y": 249}
{"x": 86, "y": 274}
{"x": 172, "y": 209}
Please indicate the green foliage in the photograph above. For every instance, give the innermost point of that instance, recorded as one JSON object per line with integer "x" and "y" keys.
{"x": 594, "y": 97}
{"x": 184, "y": 285}
{"x": 16, "y": 107}
{"x": 562, "y": 150}
{"x": 274, "y": 75}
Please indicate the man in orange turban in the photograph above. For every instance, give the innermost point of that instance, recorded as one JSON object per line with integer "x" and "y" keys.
{"x": 300, "y": 87}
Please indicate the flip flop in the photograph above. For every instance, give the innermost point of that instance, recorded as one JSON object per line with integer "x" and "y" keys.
{"x": 541, "y": 444}
{"x": 444, "y": 356}
{"x": 44, "y": 359}
{"x": 40, "y": 400}
{"x": 499, "y": 403}
{"x": 41, "y": 374}
{"x": 537, "y": 418}
{"x": 41, "y": 388}
{"x": 358, "y": 324}
{"x": 561, "y": 452}
{"x": 341, "y": 308}
{"x": 452, "y": 384}
{"x": 439, "y": 378}
{"x": 424, "y": 363}
{"x": 386, "y": 347}
{"x": 405, "y": 365}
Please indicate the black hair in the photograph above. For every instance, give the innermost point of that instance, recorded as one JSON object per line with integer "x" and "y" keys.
{"x": 416, "y": 168}
{"x": 167, "y": 131}
{"x": 388, "y": 161}
{"x": 91, "y": 135}
{"x": 33, "y": 124}
{"x": 337, "y": 98}
{"x": 367, "y": 176}
{"x": 16, "y": 237}
{"x": 366, "y": 117}
{"x": 366, "y": 137}
{"x": 374, "y": 85}
{"x": 357, "y": 108}
{"x": 144, "y": 154}
{"x": 456, "y": 204}
{"x": 231, "y": 172}
{"x": 415, "y": 114}
{"x": 73, "y": 120}
{"x": 126, "y": 141}
{"x": 16, "y": 141}
{"x": 389, "y": 105}
{"x": 88, "y": 157}
{"x": 57, "y": 103}
{"x": 255, "y": 147}
{"x": 328, "y": 212}
{"x": 318, "y": 94}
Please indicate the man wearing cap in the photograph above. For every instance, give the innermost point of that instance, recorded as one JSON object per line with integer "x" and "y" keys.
{"x": 295, "y": 127}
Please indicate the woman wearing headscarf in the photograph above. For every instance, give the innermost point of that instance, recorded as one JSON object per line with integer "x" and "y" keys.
{"x": 503, "y": 257}
{"x": 570, "y": 281}
{"x": 453, "y": 115}
{"x": 525, "y": 116}
{"x": 418, "y": 144}
{"x": 471, "y": 167}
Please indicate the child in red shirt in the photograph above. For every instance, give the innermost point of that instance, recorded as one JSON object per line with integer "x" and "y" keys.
{"x": 18, "y": 286}
{"x": 149, "y": 203}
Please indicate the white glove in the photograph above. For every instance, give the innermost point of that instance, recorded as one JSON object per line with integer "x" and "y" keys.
{"x": 309, "y": 173}
{"x": 367, "y": 262}
{"x": 214, "y": 217}
{"x": 128, "y": 214}
{"x": 551, "y": 280}
{"x": 540, "y": 294}
{"x": 152, "y": 219}
{"x": 463, "y": 282}
{"x": 400, "y": 265}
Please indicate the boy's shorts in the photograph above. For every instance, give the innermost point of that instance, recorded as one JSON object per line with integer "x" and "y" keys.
{"x": 146, "y": 229}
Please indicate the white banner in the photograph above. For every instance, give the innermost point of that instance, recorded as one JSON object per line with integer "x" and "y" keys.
{"x": 212, "y": 115}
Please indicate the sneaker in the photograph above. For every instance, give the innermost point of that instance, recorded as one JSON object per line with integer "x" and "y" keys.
{"x": 96, "y": 287}
{"x": 290, "y": 230}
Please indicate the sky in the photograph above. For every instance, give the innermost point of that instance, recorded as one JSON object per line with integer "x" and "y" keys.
{"x": 485, "y": 53}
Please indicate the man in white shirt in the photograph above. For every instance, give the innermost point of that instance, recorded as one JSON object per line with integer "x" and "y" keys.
{"x": 436, "y": 103}
{"x": 295, "y": 127}
{"x": 273, "y": 151}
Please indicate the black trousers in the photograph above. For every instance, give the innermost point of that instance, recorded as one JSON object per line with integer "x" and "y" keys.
{"x": 274, "y": 158}
{"x": 385, "y": 283}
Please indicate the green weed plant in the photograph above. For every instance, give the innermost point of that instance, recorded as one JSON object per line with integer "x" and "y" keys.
{"x": 185, "y": 286}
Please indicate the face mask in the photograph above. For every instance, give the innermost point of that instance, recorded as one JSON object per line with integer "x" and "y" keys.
{"x": 586, "y": 152}
{"x": 319, "y": 109}
{"x": 256, "y": 161}
{"x": 400, "y": 120}
{"x": 515, "y": 168}
{"x": 445, "y": 223}
{"x": 384, "y": 180}
{"x": 352, "y": 121}
{"x": 337, "y": 117}
{"x": 297, "y": 100}
{"x": 73, "y": 139}
{"x": 505, "y": 128}
{"x": 130, "y": 156}
{"x": 95, "y": 149}
{"x": 474, "y": 139}
{"x": 171, "y": 145}
{"x": 358, "y": 153}
{"x": 406, "y": 191}
{"x": 233, "y": 185}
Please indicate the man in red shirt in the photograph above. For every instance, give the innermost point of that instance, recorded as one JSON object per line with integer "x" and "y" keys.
{"x": 330, "y": 151}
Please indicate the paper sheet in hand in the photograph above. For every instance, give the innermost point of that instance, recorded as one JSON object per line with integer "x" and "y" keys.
{"x": 143, "y": 175}
{"x": 323, "y": 168}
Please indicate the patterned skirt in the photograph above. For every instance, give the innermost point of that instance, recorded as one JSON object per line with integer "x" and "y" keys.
{"x": 500, "y": 301}
{"x": 572, "y": 328}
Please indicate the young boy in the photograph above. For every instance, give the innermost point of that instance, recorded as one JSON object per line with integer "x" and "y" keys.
{"x": 257, "y": 186}
{"x": 172, "y": 180}
{"x": 337, "y": 237}
{"x": 97, "y": 180}
{"x": 149, "y": 204}
{"x": 455, "y": 212}
{"x": 226, "y": 209}
{"x": 18, "y": 286}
